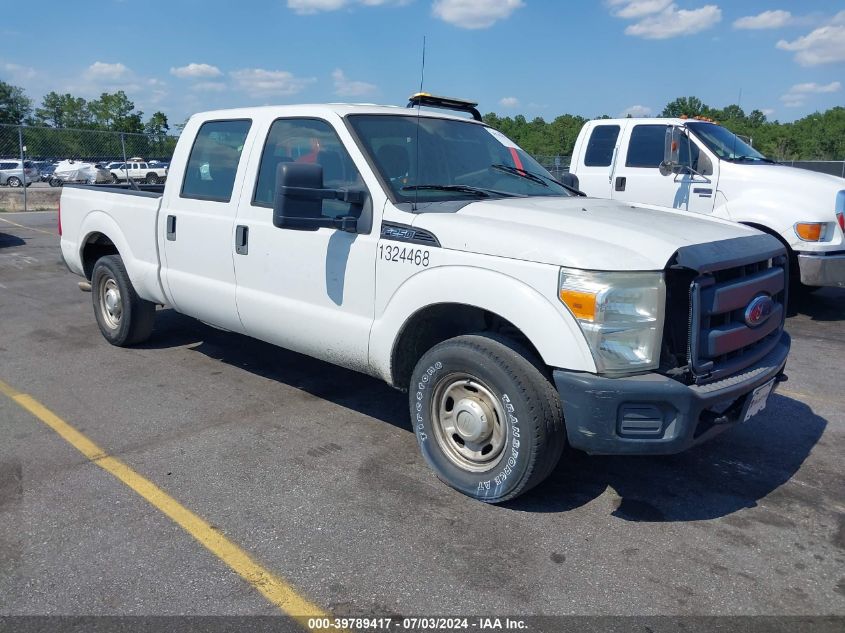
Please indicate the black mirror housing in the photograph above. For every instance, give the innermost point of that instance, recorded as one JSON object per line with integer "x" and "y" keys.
{"x": 298, "y": 199}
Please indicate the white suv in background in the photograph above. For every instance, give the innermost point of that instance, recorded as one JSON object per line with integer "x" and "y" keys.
{"x": 13, "y": 175}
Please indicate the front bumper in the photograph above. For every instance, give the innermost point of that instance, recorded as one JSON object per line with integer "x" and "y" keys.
{"x": 654, "y": 414}
{"x": 822, "y": 270}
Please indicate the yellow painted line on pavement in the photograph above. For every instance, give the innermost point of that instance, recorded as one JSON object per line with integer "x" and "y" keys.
{"x": 274, "y": 588}
{"x": 31, "y": 228}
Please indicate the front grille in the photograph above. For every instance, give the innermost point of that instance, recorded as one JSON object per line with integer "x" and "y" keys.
{"x": 714, "y": 340}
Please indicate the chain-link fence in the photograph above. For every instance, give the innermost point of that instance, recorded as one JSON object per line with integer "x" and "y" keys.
{"x": 95, "y": 153}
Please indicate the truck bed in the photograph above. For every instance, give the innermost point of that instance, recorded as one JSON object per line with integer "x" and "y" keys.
{"x": 129, "y": 217}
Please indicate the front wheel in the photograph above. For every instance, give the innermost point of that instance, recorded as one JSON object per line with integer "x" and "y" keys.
{"x": 152, "y": 179}
{"x": 487, "y": 421}
{"x": 124, "y": 317}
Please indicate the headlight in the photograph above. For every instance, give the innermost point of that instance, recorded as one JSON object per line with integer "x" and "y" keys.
{"x": 621, "y": 315}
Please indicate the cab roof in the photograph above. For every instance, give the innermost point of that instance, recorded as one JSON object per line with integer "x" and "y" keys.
{"x": 339, "y": 109}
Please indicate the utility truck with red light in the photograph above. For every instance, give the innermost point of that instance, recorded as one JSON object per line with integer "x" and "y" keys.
{"x": 428, "y": 250}
{"x": 697, "y": 166}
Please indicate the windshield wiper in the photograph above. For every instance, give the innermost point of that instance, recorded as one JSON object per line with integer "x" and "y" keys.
{"x": 528, "y": 175}
{"x": 534, "y": 177}
{"x": 762, "y": 159}
{"x": 477, "y": 191}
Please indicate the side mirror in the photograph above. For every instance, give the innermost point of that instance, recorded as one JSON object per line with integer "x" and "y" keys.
{"x": 672, "y": 152}
{"x": 298, "y": 199}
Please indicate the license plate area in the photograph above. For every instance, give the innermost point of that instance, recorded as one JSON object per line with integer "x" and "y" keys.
{"x": 757, "y": 400}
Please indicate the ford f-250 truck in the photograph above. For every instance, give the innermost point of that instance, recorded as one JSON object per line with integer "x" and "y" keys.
{"x": 701, "y": 167}
{"x": 428, "y": 250}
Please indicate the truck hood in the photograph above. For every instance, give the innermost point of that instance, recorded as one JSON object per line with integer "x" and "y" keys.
{"x": 585, "y": 233}
{"x": 810, "y": 195}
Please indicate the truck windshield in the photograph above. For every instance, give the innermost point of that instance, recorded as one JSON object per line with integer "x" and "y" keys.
{"x": 430, "y": 159}
{"x": 725, "y": 144}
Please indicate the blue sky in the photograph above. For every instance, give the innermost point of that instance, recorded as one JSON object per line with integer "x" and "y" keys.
{"x": 531, "y": 57}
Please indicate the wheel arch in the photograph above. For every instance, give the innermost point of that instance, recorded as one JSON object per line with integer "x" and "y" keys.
{"x": 487, "y": 301}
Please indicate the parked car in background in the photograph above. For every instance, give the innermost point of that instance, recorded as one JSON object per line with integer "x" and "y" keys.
{"x": 12, "y": 174}
{"x": 703, "y": 168}
{"x": 139, "y": 171}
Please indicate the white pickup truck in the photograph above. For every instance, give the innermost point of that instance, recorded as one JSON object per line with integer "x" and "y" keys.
{"x": 699, "y": 166}
{"x": 428, "y": 250}
{"x": 139, "y": 171}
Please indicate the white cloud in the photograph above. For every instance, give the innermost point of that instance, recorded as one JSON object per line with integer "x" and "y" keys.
{"x": 674, "y": 22}
{"x": 260, "y": 82}
{"x": 768, "y": 111}
{"x": 764, "y": 20}
{"x": 196, "y": 71}
{"x": 631, "y": 9}
{"x": 824, "y": 45}
{"x": 474, "y": 14}
{"x": 509, "y": 102}
{"x": 108, "y": 72}
{"x": 345, "y": 87}
{"x": 636, "y": 111}
{"x": 797, "y": 94}
{"x": 306, "y": 7}
{"x": 16, "y": 72}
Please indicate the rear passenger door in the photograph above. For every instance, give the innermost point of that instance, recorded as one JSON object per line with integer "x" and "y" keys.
{"x": 595, "y": 162}
{"x": 197, "y": 224}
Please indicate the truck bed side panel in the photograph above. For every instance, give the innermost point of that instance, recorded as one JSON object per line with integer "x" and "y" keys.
{"x": 128, "y": 219}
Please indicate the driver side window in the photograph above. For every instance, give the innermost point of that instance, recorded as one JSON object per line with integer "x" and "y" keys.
{"x": 307, "y": 141}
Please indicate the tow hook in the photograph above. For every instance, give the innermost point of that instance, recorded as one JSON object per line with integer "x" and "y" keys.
{"x": 85, "y": 286}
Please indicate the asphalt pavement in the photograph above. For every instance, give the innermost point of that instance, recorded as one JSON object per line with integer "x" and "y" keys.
{"x": 314, "y": 471}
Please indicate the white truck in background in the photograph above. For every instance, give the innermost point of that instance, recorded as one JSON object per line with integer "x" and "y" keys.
{"x": 139, "y": 170}
{"x": 430, "y": 251}
{"x": 700, "y": 167}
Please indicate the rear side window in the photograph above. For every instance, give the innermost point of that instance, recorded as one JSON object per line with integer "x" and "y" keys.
{"x": 307, "y": 141}
{"x": 213, "y": 163}
{"x": 645, "y": 149}
{"x": 600, "y": 147}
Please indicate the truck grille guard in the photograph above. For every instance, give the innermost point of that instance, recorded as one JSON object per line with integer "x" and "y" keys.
{"x": 709, "y": 289}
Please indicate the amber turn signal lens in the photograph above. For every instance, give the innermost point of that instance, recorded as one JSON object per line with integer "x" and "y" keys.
{"x": 582, "y": 304}
{"x": 809, "y": 232}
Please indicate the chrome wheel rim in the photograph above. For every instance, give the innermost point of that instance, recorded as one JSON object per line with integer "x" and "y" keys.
{"x": 469, "y": 422}
{"x": 111, "y": 303}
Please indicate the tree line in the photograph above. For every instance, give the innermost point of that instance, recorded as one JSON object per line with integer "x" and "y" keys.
{"x": 75, "y": 122}
{"x": 818, "y": 136}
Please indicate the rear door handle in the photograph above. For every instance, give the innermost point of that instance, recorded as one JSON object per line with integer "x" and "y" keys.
{"x": 242, "y": 239}
{"x": 620, "y": 183}
{"x": 171, "y": 228}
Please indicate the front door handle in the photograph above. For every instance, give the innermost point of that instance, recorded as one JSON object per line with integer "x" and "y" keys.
{"x": 620, "y": 183}
{"x": 241, "y": 239}
{"x": 171, "y": 228}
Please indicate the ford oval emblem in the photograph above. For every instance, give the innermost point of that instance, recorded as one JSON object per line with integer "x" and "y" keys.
{"x": 759, "y": 310}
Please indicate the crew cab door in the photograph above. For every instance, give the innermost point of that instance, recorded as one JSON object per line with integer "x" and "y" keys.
{"x": 637, "y": 177}
{"x": 196, "y": 223}
{"x": 594, "y": 160}
{"x": 311, "y": 291}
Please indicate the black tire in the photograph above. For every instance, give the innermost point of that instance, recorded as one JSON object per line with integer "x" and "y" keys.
{"x": 14, "y": 181}
{"x": 115, "y": 179}
{"x": 152, "y": 179}
{"x": 526, "y": 411}
{"x": 56, "y": 182}
{"x": 134, "y": 323}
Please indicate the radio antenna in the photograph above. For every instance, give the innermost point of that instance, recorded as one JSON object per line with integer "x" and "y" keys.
{"x": 419, "y": 103}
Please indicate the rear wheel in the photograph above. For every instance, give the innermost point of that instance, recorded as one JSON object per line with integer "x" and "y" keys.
{"x": 487, "y": 421}
{"x": 123, "y": 317}
{"x": 55, "y": 182}
{"x": 14, "y": 182}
